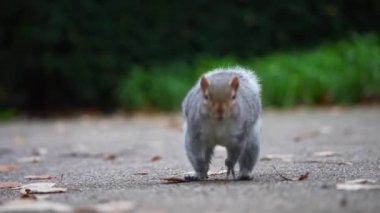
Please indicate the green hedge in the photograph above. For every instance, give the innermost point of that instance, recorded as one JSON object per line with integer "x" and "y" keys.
{"x": 69, "y": 53}
{"x": 345, "y": 72}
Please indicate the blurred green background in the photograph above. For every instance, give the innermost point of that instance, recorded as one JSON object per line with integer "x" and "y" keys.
{"x": 145, "y": 55}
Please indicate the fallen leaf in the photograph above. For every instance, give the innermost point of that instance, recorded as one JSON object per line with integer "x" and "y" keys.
{"x": 32, "y": 159}
{"x": 29, "y": 205}
{"x": 155, "y": 158}
{"x": 325, "y": 154}
{"x": 8, "y": 167}
{"x": 40, "y": 188}
{"x": 169, "y": 180}
{"x": 293, "y": 178}
{"x": 9, "y": 185}
{"x": 112, "y": 206}
{"x": 358, "y": 184}
{"x": 40, "y": 177}
{"x": 282, "y": 157}
{"x": 108, "y": 156}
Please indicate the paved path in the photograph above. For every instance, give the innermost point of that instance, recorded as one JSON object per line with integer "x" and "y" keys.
{"x": 354, "y": 134}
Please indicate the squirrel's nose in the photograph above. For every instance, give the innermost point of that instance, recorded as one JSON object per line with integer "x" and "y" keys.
{"x": 220, "y": 111}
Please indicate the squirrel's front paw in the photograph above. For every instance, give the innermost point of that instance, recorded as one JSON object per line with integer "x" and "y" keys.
{"x": 195, "y": 177}
{"x": 245, "y": 177}
{"x": 192, "y": 178}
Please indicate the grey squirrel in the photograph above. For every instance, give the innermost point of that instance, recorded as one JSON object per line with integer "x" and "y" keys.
{"x": 223, "y": 108}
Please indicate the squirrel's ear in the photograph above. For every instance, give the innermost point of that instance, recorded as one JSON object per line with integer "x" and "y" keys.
{"x": 235, "y": 83}
{"x": 204, "y": 83}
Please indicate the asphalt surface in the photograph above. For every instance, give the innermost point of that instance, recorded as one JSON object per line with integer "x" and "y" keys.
{"x": 75, "y": 147}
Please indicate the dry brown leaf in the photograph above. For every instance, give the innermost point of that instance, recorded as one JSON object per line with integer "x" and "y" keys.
{"x": 9, "y": 185}
{"x": 8, "y": 167}
{"x": 174, "y": 180}
{"x": 282, "y": 157}
{"x": 155, "y": 158}
{"x": 32, "y": 159}
{"x": 41, "y": 188}
{"x": 40, "y": 177}
{"x": 108, "y": 156}
{"x": 325, "y": 154}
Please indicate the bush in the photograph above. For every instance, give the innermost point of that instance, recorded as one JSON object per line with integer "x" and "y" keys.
{"x": 69, "y": 53}
{"x": 346, "y": 72}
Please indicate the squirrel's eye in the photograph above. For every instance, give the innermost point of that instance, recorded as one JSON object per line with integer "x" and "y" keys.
{"x": 233, "y": 97}
{"x": 206, "y": 97}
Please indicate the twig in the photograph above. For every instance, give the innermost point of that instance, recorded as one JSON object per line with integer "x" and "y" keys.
{"x": 283, "y": 177}
{"x": 295, "y": 178}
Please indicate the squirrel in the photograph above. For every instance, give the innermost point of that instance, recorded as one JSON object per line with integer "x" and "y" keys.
{"x": 223, "y": 108}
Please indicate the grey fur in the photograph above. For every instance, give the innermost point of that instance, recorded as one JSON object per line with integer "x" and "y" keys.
{"x": 239, "y": 133}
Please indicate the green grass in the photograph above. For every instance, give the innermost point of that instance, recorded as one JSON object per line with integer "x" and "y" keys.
{"x": 7, "y": 114}
{"x": 345, "y": 72}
